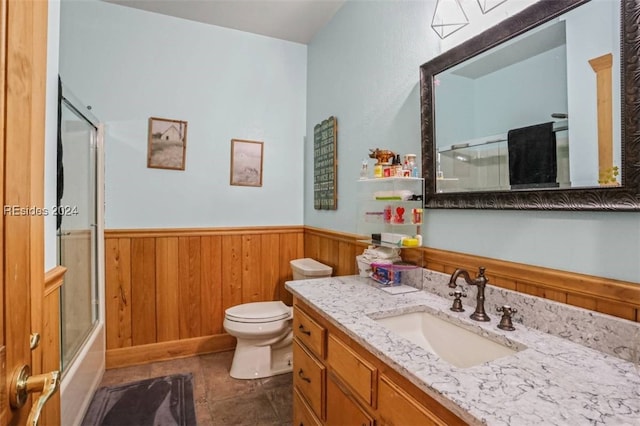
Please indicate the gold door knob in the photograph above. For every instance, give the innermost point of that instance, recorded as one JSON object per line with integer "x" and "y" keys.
{"x": 23, "y": 383}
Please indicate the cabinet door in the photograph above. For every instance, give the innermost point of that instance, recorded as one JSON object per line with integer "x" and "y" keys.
{"x": 397, "y": 408}
{"x": 302, "y": 413}
{"x": 308, "y": 378}
{"x": 308, "y": 331}
{"x": 342, "y": 409}
{"x": 358, "y": 373}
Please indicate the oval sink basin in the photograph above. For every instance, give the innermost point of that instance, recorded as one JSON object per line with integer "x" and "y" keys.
{"x": 456, "y": 345}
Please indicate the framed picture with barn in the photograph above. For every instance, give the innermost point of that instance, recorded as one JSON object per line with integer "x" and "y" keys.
{"x": 167, "y": 143}
{"x": 246, "y": 162}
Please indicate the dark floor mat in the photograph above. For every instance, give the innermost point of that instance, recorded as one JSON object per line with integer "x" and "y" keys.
{"x": 161, "y": 401}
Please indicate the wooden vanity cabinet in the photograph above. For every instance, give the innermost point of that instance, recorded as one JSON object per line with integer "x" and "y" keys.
{"x": 356, "y": 388}
{"x": 309, "y": 372}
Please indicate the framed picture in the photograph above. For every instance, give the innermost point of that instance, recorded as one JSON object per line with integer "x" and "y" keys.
{"x": 246, "y": 162}
{"x": 167, "y": 143}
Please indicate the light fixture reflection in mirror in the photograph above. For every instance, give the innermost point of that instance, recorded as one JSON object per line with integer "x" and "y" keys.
{"x": 448, "y": 17}
{"x": 579, "y": 184}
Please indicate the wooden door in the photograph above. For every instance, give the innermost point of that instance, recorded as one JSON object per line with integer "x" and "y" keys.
{"x": 23, "y": 37}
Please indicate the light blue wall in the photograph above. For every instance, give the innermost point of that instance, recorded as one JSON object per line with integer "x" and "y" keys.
{"x": 131, "y": 65}
{"x": 363, "y": 68}
{"x": 469, "y": 108}
{"x": 498, "y": 93}
{"x": 51, "y": 134}
{"x": 452, "y": 93}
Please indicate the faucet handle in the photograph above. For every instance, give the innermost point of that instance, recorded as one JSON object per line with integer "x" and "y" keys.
{"x": 505, "y": 321}
{"x": 481, "y": 279}
{"x": 457, "y": 301}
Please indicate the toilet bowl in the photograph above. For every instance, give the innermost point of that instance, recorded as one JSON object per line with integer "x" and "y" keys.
{"x": 263, "y": 330}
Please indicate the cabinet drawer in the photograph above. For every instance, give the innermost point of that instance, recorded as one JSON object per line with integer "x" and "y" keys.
{"x": 398, "y": 408}
{"x": 309, "y": 332}
{"x": 309, "y": 378}
{"x": 359, "y": 374}
{"x": 342, "y": 409}
{"x": 302, "y": 414}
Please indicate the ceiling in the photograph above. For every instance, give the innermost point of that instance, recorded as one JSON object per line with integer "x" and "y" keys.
{"x": 526, "y": 46}
{"x": 293, "y": 20}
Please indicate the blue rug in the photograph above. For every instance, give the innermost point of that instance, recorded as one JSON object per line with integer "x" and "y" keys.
{"x": 161, "y": 401}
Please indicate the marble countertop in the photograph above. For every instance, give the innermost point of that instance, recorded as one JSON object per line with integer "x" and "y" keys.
{"x": 552, "y": 381}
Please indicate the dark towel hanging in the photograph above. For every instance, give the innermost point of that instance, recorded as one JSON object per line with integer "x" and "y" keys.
{"x": 532, "y": 157}
{"x": 60, "y": 166}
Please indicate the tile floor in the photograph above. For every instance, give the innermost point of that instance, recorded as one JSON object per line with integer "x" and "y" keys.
{"x": 219, "y": 399}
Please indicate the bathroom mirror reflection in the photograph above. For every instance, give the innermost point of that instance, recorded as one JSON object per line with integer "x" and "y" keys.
{"x": 482, "y": 103}
{"x": 530, "y": 113}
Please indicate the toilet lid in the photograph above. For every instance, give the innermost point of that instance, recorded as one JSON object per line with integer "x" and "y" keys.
{"x": 258, "y": 312}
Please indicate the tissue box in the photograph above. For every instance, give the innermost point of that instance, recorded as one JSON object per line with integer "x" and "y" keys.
{"x": 388, "y": 274}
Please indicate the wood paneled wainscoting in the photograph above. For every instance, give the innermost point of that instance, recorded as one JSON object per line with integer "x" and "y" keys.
{"x": 167, "y": 289}
{"x": 613, "y": 297}
{"x": 51, "y": 338}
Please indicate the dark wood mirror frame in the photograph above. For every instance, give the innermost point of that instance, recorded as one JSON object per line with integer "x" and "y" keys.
{"x": 623, "y": 198}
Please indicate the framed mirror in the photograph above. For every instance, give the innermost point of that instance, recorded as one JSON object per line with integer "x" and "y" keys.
{"x": 540, "y": 112}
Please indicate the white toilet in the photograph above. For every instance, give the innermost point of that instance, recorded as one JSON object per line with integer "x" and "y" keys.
{"x": 263, "y": 329}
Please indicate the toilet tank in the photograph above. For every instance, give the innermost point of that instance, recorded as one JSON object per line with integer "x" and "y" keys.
{"x": 307, "y": 268}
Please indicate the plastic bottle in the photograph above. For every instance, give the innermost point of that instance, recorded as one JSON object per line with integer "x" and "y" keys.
{"x": 387, "y": 214}
{"x": 416, "y": 217}
{"x": 377, "y": 170}
{"x": 413, "y": 168}
{"x": 406, "y": 171}
{"x": 364, "y": 169}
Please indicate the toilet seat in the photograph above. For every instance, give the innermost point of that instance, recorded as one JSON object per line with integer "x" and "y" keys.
{"x": 258, "y": 312}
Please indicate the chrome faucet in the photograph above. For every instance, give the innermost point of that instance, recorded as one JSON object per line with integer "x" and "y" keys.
{"x": 480, "y": 281}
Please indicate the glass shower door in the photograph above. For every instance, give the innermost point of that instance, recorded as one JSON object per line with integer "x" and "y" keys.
{"x": 77, "y": 232}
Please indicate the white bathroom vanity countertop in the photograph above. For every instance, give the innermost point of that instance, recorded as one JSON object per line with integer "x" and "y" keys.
{"x": 552, "y": 382}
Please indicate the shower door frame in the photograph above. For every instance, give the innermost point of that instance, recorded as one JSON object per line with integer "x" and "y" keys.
{"x": 84, "y": 373}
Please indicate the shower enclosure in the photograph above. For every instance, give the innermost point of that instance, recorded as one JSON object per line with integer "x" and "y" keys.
{"x": 77, "y": 231}
{"x": 79, "y": 249}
